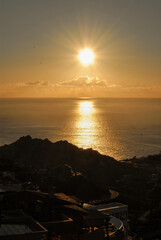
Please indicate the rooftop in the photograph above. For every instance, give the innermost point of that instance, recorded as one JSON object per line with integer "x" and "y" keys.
{"x": 106, "y": 207}
{"x": 13, "y": 229}
{"x": 17, "y": 223}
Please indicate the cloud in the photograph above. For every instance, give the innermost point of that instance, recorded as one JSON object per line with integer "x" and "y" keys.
{"x": 84, "y": 81}
{"x": 37, "y": 83}
{"x": 32, "y": 83}
{"x": 45, "y": 83}
{"x": 114, "y": 86}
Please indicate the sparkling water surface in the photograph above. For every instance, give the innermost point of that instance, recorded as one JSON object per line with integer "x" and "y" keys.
{"x": 121, "y": 128}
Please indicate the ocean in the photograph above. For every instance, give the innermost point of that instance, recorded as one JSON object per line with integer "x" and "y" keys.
{"x": 120, "y": 128}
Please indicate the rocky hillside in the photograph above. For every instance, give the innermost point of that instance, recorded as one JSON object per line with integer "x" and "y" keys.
{"x": 44, "y": 154}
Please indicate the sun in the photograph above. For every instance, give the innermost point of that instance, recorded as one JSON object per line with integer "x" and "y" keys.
{"x": 86, "y": 56}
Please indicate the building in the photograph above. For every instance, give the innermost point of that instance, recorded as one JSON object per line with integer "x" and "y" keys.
{"x": 65, "y": 217}
{"x": 118, "y": 214}
{"x": 16, "y": 225}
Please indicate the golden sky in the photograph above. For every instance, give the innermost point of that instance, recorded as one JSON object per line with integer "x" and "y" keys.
{"x": 40, "y": 42}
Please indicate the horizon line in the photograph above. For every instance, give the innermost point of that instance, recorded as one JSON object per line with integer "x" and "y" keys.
{"x": 80, "y": 97}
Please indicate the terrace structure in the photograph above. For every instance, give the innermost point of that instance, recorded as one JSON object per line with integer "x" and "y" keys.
{"x": 16, "y": 225}
{"x": 118, "y": 215}
{"x": 63, "y": 216}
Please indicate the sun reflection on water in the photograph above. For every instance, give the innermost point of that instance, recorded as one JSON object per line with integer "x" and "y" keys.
{"x": 92, "y": 132}
{"x": 86, "y": 108}
{"x": 86, "y": 124}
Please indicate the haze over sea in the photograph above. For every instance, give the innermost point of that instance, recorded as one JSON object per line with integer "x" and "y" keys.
{"x": 121, "y": 128}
